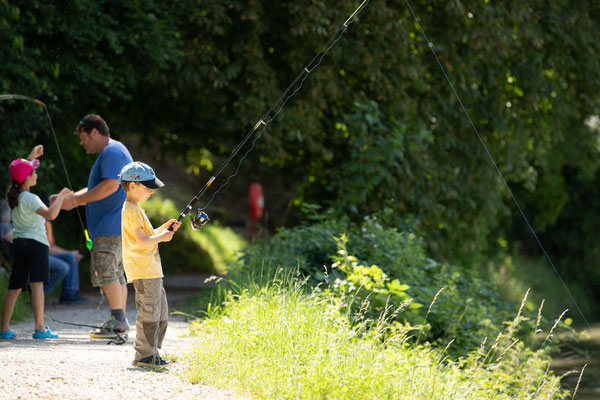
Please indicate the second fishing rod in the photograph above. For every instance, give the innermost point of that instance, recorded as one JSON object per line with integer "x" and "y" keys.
{"x": 201, "y": 218}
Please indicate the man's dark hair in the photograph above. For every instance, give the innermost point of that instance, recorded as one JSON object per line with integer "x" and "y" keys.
{"x": 92, "y": 121}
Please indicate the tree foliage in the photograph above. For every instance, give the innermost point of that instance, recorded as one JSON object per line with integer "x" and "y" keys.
{"x": 375, "y": 126}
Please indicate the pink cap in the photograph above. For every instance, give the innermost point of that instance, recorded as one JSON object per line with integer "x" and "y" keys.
{"x": 21, "y": 168}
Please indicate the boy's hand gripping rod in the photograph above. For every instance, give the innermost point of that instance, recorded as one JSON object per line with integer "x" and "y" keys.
{"x": 201, "y": 218}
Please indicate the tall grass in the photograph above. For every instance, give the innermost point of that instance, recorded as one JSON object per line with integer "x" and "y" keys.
{"x": 277, "y": 340}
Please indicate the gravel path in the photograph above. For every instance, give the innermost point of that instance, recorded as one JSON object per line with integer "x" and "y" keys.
{"x": 77, "y": 367}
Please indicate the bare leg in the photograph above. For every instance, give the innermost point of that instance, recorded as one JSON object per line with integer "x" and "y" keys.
{"x": 124, "y": 294}
{"x": 114, "y": 294}
{"x": 8, "y": 305}
{"x": 37, "y": 303}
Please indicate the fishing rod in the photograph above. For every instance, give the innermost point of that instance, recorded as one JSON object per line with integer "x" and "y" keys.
{"x": 88, "y": 241}
{"x": 121, "y": 338}
{"x": 201, "y": 218}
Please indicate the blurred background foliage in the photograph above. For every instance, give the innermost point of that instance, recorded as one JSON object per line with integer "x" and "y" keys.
{"x": 374, "y": 127}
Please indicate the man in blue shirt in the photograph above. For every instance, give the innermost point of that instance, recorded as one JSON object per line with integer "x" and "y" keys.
{"x": 103, "y": 199}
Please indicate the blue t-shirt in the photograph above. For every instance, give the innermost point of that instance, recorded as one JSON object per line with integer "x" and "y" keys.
{"x": 104, "y": 216}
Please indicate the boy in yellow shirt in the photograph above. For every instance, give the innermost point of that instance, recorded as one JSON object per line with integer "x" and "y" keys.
{"x": 141, "y": 262}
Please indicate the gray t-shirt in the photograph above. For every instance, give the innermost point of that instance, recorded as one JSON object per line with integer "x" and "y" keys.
{"x": 28, "y": 224}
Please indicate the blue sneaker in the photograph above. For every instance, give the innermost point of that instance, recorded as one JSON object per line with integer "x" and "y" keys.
{"x": 48, "y": 334}
{"x": 9, "y": 334}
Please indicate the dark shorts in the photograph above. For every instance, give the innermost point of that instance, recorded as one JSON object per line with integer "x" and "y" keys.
{"x": 29, "y": 263}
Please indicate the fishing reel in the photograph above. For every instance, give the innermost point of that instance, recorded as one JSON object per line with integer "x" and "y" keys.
{"x": 199, "y": 219}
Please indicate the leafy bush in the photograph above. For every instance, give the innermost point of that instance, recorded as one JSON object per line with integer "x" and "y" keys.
{"x": 373, "y": 292}
{"x": 391, "y": 267}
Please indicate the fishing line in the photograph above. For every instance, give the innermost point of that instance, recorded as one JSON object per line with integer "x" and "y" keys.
{"x": 430, "y": 45}
{"x": 41, "y": 103}
{"x": 236, "y": 170}
{"x": 272, "y": 118}
{"x": 262, "y": 123}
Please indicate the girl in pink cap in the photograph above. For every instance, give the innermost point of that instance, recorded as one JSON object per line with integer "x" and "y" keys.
{"x": 29, "y": 265}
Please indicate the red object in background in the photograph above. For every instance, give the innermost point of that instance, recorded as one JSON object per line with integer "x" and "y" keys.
{"x": 257, "y": 204}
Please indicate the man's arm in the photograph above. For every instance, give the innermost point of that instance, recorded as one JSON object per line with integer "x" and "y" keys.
{"x": 101, "y": 191}
{"x": 50, "y": 213}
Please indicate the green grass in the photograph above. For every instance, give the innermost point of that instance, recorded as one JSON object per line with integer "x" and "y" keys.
{"x": 276, "y": 341}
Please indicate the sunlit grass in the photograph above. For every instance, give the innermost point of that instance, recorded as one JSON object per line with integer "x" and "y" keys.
{"x": 275, "y": 341}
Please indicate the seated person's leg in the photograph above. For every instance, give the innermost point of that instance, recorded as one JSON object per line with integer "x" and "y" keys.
{"x": 71, "y": 281}
{"x": 58, "y": 270}
{"x": 70, "y": 287}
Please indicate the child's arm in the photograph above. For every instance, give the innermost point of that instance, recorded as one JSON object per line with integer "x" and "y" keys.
{"x": 176, "y": 224}
{"x": 165, "y": 235}
{"x": 51, "y": 212}
{"x": 36, "y": 152}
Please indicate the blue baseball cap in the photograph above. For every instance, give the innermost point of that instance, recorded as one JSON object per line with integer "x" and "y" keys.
{"x": 139, "y": 172}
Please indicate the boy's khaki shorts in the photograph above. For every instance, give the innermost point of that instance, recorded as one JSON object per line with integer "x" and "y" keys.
{"x": 106, "y": 266}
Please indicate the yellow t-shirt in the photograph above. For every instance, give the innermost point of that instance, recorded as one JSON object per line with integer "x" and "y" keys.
{"x": 139, "y": 262}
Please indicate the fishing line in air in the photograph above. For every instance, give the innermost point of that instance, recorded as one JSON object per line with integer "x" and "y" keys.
{"x": 88, "y": 242}
{"x": 430, "y": 45}
{"x": 260, "y": 126}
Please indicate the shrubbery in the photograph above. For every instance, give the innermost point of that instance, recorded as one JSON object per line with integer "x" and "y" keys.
{"x": 383, "y": 266}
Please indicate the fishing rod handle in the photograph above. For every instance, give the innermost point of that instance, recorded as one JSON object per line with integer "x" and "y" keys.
{"x": 181, "y": 216}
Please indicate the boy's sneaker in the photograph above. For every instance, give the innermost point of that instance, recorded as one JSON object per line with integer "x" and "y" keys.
{"x": 110, "y": 329}
{"x": 151, "y": 361}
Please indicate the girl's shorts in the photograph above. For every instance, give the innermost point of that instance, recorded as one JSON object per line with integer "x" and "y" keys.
{"x": 29, "y": 263}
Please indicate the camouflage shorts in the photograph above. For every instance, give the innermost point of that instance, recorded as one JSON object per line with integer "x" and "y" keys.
{"x": 107, "y": 261}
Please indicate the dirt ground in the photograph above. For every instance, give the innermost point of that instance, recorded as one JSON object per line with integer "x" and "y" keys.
{"x": 77, "y": 367}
